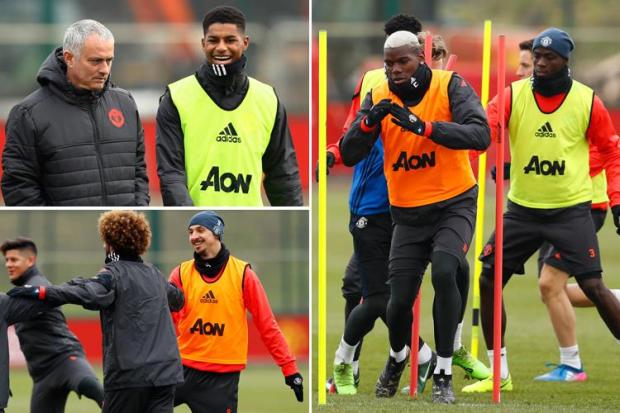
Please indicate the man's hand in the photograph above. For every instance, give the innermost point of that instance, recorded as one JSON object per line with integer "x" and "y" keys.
{"x": 615, "y": 211}
{"x": 377, "y": 113}
{"x": 296, "y": 382}
{"x": 330, "y": 160}
{"x": 405, "y": 119}
{"x": 27, "y": 291}
{"x": 506, "y": 171}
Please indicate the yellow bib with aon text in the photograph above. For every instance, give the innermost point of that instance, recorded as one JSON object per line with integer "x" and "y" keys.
{"x": 550, "y": 158}
{"x": 224, "y": 148}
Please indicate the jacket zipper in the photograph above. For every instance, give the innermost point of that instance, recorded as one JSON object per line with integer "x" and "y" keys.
{"x": 98, "y": 154}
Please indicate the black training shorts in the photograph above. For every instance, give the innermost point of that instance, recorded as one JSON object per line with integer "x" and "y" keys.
{"x": 372, "y": 235}
{"x": 570, "y": 230}
{"x": 351, "y": 283}
{"x": 446, "y": 226}
{"x": 547, "y": 252}
{"x": 204, "y": 391}
{"x": 49, "y": 393}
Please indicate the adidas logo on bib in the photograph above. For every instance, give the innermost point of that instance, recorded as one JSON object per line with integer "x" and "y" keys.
{"x": 209, "y": 298}
{"x": 228, "y": 134}
{"x": 545, "y": 131}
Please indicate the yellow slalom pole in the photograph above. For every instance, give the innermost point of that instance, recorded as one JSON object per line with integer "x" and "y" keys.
{"x": 322, "y": 235}
{"x": 482, "y": 168}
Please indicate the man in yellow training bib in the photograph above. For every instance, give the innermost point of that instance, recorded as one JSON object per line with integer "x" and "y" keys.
{"x": 221, "y": 134}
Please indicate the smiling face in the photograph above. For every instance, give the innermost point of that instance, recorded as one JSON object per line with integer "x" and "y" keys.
{"x": 18, "y": 262}
{"x": 91, "y": 68}
{"x": 547, "y": 62}
{"x": 204, "y": 242}
{"x": 224, "y": 43}
{"x": 401, "y": 63}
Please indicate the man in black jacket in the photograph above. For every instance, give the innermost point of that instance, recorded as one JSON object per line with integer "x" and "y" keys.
{"x": 219, "y": 131}
{"x": 77, "y": 140}
{"x": 55, "y": 358}
{"x": 12, "y": 310}
{"x": 141, "y": 363}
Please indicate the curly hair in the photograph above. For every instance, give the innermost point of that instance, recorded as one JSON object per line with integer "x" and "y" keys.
{"x": 126, "y": 232}
{"x": 402, "y": 22}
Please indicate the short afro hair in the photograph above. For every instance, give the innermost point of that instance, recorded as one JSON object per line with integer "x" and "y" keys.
{"x": 402, "y": 22}
{"x": 19, "y": 243}
{"x": 126, "y": 232}
{"x": 224, "y": 14}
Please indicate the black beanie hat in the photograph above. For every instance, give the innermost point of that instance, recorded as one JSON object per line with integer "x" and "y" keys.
{"x": 209, "y": 220}
{"x": 555, "y": 39}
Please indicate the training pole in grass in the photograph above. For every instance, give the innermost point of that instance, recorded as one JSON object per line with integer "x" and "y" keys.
{"x": 499, "y": 226}
{"x": 482, "y": 169}
{"x": 415, "y": 325}
{"x": 322, "y": 233}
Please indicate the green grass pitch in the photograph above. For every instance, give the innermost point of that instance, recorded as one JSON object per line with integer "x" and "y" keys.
{"x": 261, "y": 390}
{"x": 530, "y": 339}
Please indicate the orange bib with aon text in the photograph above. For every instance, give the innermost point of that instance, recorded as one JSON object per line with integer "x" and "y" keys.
{"x": 419, "y": 171}
{"x": 213, "y": 326}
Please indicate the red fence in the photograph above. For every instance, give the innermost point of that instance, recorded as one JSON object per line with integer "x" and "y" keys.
{"x": 88, "y": 330}
{"x": 297, "y": 124}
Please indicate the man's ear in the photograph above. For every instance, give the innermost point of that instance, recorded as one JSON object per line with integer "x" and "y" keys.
{"x": 32, "y": 260}
{"x": 69, "y": 58}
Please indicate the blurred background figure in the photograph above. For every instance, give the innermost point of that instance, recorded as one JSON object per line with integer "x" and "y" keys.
{"x": 55, "y": 357}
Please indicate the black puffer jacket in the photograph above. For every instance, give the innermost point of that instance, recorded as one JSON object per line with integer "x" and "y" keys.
{"x": 45, "y": 340}
{"x": 73, "y": 147}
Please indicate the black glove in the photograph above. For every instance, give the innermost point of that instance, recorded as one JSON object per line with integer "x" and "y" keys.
{"x": 27, "y": 291}
{"x": 330, "y": 160}
{"x": 405, "y": 119}
{"x": 295, "y": 382}
{"x": 615, "y": 211}
{"x": 378, "y": 112}
{"x": 506, "y": 172}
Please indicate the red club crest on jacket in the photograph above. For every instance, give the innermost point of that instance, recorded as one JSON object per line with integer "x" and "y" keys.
{"x": 116, "y": 117}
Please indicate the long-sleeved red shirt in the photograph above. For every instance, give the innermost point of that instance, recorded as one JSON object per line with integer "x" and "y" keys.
{"x": 257, "y": 303}
{"x": 601, "y": 135}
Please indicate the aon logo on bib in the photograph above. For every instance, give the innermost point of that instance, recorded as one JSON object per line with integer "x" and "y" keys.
{"x": 545, "y": 167}
{"x": 207, "y": 328}
{"x": 226, "y": 181}
{"x": 414, "y": 162}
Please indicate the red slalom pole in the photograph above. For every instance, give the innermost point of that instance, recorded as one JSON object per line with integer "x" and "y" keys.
{"x": 415, "y": 338}
{"x": 499, "y": 226}
{"x": 451, "y": 62}
{"x": 428, "y": 49}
